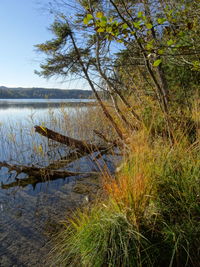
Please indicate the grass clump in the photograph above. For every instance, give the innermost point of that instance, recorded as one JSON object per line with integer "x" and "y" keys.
{"x": 150, "y": 216}
{"x": 101, "y": 236}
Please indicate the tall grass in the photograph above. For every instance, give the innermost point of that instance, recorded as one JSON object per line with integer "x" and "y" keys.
{"x": 151, "y": 215}
{"x": 101, "y": 236}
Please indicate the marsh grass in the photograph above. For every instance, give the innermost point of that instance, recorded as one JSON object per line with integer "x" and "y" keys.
{"x": 150, "y": 216}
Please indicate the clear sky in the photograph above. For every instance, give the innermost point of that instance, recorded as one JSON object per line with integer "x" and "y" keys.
{"x": 24, "y": 23}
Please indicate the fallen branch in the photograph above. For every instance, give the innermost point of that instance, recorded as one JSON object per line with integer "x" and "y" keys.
{"x": 64, "y": 161}
{"x": 37, "y": 175}
{"x": 81, "y": 146}
{"x": 51, "y": 172}
{"x": 102, "y": 136}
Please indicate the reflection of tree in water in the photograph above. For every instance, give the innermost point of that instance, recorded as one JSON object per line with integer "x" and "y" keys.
{"x": 38, "y": 105}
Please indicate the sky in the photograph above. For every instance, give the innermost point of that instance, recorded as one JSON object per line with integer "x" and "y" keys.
{"x": 23, "y": 24}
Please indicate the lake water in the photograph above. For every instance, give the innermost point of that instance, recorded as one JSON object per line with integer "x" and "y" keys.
{"x": 28, "y": 214}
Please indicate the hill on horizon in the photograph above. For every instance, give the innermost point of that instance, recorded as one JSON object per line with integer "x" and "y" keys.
{"x": 38, "y": 93}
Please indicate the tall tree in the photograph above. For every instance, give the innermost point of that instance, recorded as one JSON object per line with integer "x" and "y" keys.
{"x": 104, "y": 39}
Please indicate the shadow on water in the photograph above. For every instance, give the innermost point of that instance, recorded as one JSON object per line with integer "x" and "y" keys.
{"x": 30, "y": 211}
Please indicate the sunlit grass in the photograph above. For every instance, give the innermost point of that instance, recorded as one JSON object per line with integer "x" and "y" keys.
{"x": 150, "y": 216}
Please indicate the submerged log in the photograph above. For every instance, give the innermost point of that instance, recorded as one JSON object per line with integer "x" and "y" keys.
{"x": 64, "y": 161}
{"x": 37, "y": 175}
{"x": 82, "y": 146}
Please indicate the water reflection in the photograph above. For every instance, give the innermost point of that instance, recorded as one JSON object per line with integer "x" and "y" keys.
{"x": 42, "y": 103}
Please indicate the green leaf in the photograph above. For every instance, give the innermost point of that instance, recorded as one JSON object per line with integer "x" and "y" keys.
{"x": 170, "y": 12}
{"x": 161, "y": 20}
{"x": 157, "y": 62}
{"x": 149, "y": 46}
{"x": 116, "y": 33}
{"x": 109, "y": 37}
{"x": 170, "y": 42}
{"x": 160, "y": 51}
{"x": 140, "y": 14}
{"x": 99, "y": 15}
{"x": 104, "y": 19}
{"x": 136, "y": 24}
{"x": 101, "y": 30}
{"x": 108, "y": 29}
{"x": 196, "y": 65}
{"x": 116, "y": 23}
{"x": 102, "y": 23}
{"x": 149, "y": 26}
{"x": 181, "y": 33}
{"x": 87, "y": 18}
{"x": 124, "y": 26}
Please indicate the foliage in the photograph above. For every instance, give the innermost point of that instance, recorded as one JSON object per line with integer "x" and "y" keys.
{"x": 155, "y": 42}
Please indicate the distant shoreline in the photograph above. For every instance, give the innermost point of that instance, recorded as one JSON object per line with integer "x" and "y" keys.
{"x": 44, "y": 93}
{"x": 46, "y": 98}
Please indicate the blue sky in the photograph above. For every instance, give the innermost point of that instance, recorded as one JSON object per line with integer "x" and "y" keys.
{"x": 24, "y": 23}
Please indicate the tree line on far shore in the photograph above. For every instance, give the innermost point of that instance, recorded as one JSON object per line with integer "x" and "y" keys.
{"x": 17, "y": 93}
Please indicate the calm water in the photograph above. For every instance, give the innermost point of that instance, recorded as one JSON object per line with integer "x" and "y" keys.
{"x": 24, "y": 109}
{"x": 28, "y": 214}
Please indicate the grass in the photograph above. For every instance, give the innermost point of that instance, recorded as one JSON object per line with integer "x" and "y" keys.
{"x": 150, "y": 216}
{"x": 95, "y": 238}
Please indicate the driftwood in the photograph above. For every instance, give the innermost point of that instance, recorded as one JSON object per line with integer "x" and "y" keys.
{"x": 37, "y": 175}
{"x": 82, "y": 146}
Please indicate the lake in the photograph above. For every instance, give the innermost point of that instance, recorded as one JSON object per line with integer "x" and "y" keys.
{"x": 29, "y": 214}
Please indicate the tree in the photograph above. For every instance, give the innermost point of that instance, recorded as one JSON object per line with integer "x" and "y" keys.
{"x": 105, "y": 39}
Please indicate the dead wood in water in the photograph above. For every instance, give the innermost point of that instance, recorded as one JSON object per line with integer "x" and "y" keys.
{"x": 66, "y": 160}
{"x": 51, "y": 172}
{"x": 37, "y": 175}
{"x": 82, "y": 146}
